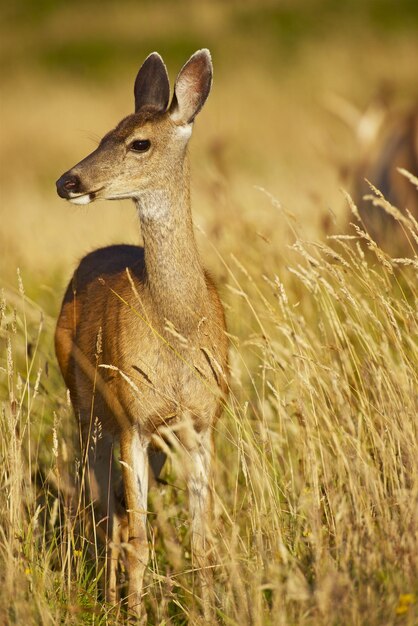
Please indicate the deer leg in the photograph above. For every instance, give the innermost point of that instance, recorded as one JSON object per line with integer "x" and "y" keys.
{"x": 134, "y": 458}
{"x": 198, "y": 483}
{"x": 101, "y": 478}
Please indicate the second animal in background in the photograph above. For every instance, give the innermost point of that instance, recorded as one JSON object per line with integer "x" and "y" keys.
{"x": 394, "y": 146}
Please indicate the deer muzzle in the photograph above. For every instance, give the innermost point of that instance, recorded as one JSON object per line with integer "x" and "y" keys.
{"x": 69, "y": 187}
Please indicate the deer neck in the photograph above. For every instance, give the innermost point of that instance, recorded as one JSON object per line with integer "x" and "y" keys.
{"x": 175, "y": 276}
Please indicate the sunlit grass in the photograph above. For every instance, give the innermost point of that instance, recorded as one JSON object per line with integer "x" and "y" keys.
{"x": 315, "y": 484}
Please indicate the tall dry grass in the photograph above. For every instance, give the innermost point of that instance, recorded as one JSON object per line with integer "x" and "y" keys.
{"x": 316, "y": 477}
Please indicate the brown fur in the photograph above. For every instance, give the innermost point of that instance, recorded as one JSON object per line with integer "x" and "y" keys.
{"x": 173, "y": 376}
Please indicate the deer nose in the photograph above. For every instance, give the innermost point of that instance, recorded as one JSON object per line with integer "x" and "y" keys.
{"x": 67, "y": 184}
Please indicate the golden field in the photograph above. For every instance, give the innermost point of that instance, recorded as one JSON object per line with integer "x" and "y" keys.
{"x": 316, "y": 473}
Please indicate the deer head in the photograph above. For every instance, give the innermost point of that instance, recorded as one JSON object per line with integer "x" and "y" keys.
{"x": 147, "y": 149}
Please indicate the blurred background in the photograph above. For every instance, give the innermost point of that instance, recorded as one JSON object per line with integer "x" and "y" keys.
{"x": 294, "y": 81}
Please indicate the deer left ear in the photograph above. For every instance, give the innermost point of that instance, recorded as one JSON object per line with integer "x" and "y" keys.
{"x": 152, "y": 87}
{"x": 192, "y": 87}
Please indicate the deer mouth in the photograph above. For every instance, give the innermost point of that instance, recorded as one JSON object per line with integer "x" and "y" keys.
{"x": 83, "y": 198}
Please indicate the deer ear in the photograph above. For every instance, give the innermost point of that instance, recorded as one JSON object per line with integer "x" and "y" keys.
{"x": 192, "y": 87}
{"x": 152, "y": 87}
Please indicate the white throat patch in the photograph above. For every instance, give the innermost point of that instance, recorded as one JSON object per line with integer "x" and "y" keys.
{"x": 153, "y": 205}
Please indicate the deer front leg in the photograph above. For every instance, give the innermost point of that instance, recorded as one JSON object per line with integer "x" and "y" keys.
{"x": 101, "y": 478}
{"x": 198, "y": 482}
{"x": 134, "y": 460}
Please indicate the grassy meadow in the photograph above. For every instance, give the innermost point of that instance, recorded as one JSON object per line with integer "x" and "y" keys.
{"x": 316, "y": 470}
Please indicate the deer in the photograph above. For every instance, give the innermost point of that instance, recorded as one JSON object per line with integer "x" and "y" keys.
{"x": 394, "y": 146}
{"x": 141, "y": 338}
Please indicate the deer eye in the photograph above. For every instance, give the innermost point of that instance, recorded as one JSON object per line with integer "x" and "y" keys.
{"x": 140, "y": 145}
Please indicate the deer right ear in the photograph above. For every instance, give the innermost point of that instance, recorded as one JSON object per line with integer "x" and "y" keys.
{"x": 192, "y": 87}
{"x": 152, "y": 87}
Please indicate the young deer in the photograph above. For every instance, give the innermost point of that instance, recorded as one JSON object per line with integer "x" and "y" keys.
{"x": 141, "y": 339}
